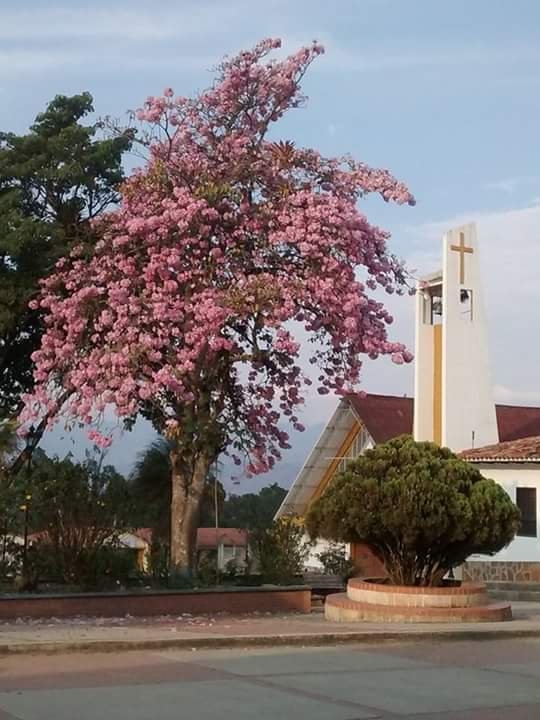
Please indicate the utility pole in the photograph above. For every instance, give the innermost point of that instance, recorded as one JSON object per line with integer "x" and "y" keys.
{"x": 28, "y": 498}
{"x": 216, "y": 516}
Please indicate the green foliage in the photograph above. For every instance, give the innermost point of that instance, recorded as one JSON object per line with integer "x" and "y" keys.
{"x": 420, "y": 509}
{"x": 231, "y": 570}
{"x": 8, "y": 444}
{"x": 53, "y": 181}
{"x": 180, "y": 581}
{"x": 77, "y": 511}
{"x": 207, "y": 571}
{"x": 158, "y": 566}
{"x": 253, "y": 511}
{"x": 280, "y": 551}
{"x": 10, "y": 557}
{"x": 105, "y": 568}
{"x": 11, "y": 498}
{"x": 108, "y": 568}
{"x": 335, "y": 561}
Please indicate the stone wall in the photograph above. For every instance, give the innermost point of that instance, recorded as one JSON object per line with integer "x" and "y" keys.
{"x": 498, "y": 571}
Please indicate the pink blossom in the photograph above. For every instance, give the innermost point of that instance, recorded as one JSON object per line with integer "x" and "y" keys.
{"x": 224, "y": 244}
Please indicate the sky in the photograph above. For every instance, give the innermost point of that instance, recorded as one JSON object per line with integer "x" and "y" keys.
{"x": 444, "y": 94}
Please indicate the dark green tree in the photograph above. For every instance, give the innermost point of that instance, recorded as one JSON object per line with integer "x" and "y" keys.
{"x": 78, "y": 510}
{"x": 253, "y": 511}
{"x": 420, "y": 509}
{"x": 54, "y": 181}
{"x": 9, "y": 444}
{"x": 280, "y": 551}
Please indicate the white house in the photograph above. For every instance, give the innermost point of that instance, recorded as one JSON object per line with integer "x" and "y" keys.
{"x": 515, "y": 465}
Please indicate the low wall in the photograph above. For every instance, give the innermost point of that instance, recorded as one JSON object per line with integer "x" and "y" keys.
{"x": 339, "y": 608}
{"x": 466, "y": 595}
{"x": 501, "y": 571}
{"x": 163, "y": 602}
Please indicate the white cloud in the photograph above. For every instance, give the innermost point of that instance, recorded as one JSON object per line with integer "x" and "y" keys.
{"x": 508, "y": 396}
{"x": 127, "y": 24}
{"x": 19, "y": 61}
{"x": 512, "y": 184}
{"x": 127, "y": 36}
{"x": 350, "y": 59}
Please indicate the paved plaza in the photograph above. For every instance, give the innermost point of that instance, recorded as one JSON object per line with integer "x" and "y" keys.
{"x": 466, "y": 680}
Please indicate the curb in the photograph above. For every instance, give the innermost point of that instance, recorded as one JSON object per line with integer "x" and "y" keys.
{"x": 254, "y": 641}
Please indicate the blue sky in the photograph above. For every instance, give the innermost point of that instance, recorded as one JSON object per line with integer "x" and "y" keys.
{"x": 445, "y": 94}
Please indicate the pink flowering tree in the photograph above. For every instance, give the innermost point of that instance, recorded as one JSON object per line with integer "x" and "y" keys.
{"x": 225, "y": 244}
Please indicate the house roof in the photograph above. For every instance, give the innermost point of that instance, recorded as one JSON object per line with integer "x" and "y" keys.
{"x": 523, "y": 450}
{"x": 387, "y": 416}
{"x": 211, "y": 538}
{"x": 309, "y": 477}
{"x": 144, "y": 533}
{"x": 384, "y": 417}
{"x": 133, "y": 540}
{"x": 516, "y": 422}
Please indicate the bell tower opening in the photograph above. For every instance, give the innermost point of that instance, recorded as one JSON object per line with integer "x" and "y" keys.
{"x": 433, "y": 304}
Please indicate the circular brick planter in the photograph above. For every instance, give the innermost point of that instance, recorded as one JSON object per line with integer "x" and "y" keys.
{"x": 374, "y": 593}
{"x": 369, "y": 600}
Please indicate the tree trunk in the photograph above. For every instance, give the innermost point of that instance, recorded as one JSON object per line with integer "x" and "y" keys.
{"x": 187, "y": 494}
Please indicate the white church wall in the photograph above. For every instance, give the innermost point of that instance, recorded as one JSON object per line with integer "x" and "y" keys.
{"x": 467, "y": 398}
{"x": 423, "y": 374}
{"x": 453, "y": 387}
{"x": 510, "y": 477}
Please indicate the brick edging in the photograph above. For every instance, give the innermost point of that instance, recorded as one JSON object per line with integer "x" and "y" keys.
{"x": 340, "y": 608}
{"x": 374, "y": 585}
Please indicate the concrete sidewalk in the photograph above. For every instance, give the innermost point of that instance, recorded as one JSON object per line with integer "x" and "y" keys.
{"x": 193, "y": 632}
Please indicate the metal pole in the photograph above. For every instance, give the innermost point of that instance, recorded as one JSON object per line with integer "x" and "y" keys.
{"x": 216, "y": 519}
{"x": 27, "y": 499}
{"x": 25, "y": 546}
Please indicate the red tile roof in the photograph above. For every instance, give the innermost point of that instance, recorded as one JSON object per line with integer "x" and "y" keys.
{"x": 210, "y": 538}
{"x": 517, "y": 422}
{"x": 387, "y": 416}
{"x": 522, "y": 450}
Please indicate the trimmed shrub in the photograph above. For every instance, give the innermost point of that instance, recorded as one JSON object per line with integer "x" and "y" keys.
{"x": 418, "y": 507}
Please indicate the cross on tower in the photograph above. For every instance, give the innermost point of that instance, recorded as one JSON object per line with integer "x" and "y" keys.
{"x": 461, "y": 249}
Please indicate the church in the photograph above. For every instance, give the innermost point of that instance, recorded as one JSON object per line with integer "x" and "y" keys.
{"x": 453, "y": 406}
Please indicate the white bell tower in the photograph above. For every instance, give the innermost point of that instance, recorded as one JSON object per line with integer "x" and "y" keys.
{"x": 453, "y": 403}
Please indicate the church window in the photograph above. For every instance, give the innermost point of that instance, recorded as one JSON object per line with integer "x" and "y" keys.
{"x": 526, "y": 502}
{"x": 433, "y": 306}
{"x": 355, "y": 449}
{"x": 466, "y": 304}
{"x": 436, "y": 309}
{"x": 427, "y": 308}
